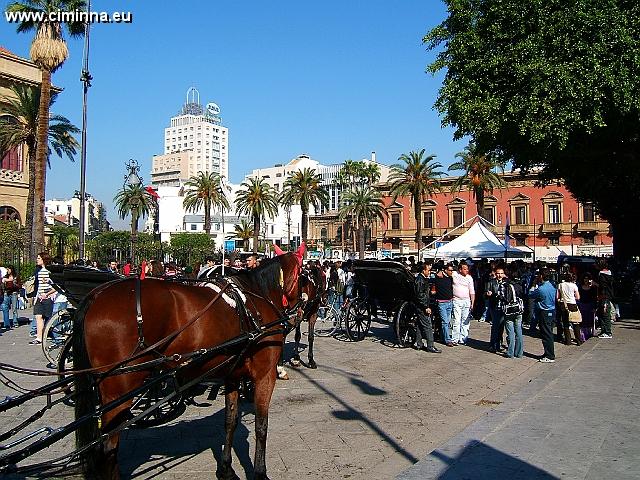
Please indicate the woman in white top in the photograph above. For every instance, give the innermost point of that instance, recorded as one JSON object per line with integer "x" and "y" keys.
{"x": 568, "y": 296}
{"x": 43, "y": 306}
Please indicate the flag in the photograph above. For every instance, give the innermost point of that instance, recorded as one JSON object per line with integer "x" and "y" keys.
{"x": 151, "y": 191}
{"x": 507, "y": 228}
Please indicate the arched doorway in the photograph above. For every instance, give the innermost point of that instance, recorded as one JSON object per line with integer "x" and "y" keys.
{"x": 9, "y": 214}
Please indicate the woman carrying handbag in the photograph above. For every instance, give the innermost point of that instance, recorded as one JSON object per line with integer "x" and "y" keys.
{"x": 568, "y": 296}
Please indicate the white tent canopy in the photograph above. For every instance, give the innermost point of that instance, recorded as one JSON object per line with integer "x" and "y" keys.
{"x": 477, "y": 242}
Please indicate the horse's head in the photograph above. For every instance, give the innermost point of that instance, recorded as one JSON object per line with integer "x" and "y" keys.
{"x": 290, "y": 266}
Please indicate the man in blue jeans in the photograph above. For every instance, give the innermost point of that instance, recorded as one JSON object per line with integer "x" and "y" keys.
{"x": 545, "y": 305}
{"x": 444, "y": 300}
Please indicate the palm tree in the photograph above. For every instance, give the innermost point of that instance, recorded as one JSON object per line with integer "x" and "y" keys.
{"x": 306, "y": 189}
{"x": 287, "y": 200}
{"x": 417, "y": 178}
{"x": 18, "y": 126}
{"x": 133, "y": 200}
{"x": 364, "y": 205}
{"x": 48, "y": 51}
{"x": 64, "y": 237}
{"x": 479, "y": 175}
{"x": 244, "y": 232}
{"x": 205, "y": 192}
{"x": 258, "y": 200}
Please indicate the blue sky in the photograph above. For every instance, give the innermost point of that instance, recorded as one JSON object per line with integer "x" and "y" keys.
{"x": 334, "y": 79}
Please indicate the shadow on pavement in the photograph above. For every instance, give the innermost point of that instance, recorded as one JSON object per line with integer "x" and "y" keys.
{"x": 477, "y": 460}
{"x": 179, "y": 442}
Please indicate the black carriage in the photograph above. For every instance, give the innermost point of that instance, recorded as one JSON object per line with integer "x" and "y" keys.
{"x": 387, "y": 285}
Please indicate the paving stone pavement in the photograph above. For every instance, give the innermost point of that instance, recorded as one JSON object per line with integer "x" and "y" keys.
{"x": 576, "y": 420}
{"x": 370, "y": 410}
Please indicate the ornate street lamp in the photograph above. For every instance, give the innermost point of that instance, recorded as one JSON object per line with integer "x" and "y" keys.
{"x": 133, "y": 179}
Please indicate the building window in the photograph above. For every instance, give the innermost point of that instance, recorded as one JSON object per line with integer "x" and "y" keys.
{"x": 589, "y": 240}
{"x": 9, "y": 214}
{"x": 339, "y": 233}
{"x": 457, "y": 215}
{"x": 427, "y": 219}
{"x": 395, "y": 221}
{"x": 521, "y": 242}
{"x": 554, "y": 240}
{"x": 520, "y": 217}
{"x": 11, "y": 161}
{"x": 554, "y": 213}
{"x": 588, "y": 213}
{"x": 323, "y": 234}
{"x": 489, "y": 215}
{"x": 194, "y": 227}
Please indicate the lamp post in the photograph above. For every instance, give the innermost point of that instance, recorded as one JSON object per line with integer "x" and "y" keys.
{"x": 133, "y": 179}
{"x": 85, "y": 78}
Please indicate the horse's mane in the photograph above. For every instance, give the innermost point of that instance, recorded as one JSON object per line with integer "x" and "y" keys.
{"x": 263, "y": 277}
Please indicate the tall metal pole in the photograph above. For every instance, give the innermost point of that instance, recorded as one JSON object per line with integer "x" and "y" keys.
{"x": 85, "y": 78}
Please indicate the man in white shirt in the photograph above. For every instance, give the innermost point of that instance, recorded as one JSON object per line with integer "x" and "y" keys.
{"x": 463, "y": 296}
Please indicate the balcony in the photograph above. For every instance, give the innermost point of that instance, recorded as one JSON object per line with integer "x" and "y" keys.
{"x": 521, "y": 229}
{"x": 590, "y": 227}
{"x": 552, "y": 228}
{"x": 13, "y": 176}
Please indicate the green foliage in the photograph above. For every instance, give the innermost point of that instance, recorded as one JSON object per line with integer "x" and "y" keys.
{"x": 188, "y": 248}
{"x": 552, "y": 84}
{"x": 12, "y": 241}
{"x": 258, "y": 200}
{"x": 205, "y": 191}
{"x": 363, "y": 205}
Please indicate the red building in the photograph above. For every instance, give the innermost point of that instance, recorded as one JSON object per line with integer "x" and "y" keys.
{"x": 546, "y": 218}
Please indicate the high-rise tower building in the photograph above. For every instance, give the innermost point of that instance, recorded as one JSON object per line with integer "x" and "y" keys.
{"x": 194, "y": 142}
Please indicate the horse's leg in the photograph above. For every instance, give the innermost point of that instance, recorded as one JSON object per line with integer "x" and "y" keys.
{"x": 282, "y": 373}
{"x": 311, "y": 337}
{"x": 262, "y": 398}
{"x": 225, "y": 470}
{"x": 295, "y": 361}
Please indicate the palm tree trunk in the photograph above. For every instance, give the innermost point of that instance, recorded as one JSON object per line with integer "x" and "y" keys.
{"x": 305, "y": 225}
{"x": 41, "y": 159}
{"x": 30, "y": 253}
{"x": 354, "y": 234}
{"x": 361, "y": 241}
{"x": 207, "y": 217}
{"x": 289, "y": 228}
{"x": 416, "y": 212}
{"x": 256, "y": 231}
{"x": 480, "y": 202}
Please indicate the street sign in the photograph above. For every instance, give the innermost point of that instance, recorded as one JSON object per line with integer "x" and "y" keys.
{"x": 229, "y": 245}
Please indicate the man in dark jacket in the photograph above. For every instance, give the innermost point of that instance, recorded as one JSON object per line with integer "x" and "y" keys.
{"x": 423, "y": 326}
{"x": 607, "y": 309}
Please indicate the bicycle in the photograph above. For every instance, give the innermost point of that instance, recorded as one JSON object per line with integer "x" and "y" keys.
{"x": 353, "y": 313}
{"x": 55, "y": 334}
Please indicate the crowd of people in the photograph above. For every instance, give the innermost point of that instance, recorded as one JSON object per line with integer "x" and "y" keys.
{"x": 448, "y": 297}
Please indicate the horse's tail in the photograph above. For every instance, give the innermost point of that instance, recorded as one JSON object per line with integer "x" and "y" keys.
{"x": 86, "y": 399}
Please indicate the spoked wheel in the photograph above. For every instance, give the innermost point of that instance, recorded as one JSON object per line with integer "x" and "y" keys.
{"x": 65, "y": 362}
{"x": 326, "y": 321}
{"x": 358, "y": 320}
{"x": 55, "y": 334}
{"x": 164, "y": 413}
{"x": 405, "y": 324}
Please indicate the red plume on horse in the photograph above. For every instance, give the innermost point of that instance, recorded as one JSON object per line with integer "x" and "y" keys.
{"x": 196, "y": 332}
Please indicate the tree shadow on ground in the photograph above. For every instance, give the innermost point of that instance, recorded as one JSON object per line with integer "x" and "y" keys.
{"x": 476, "y": 460}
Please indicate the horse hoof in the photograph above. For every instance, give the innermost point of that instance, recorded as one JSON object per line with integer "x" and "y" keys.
{"x": 226, "y": 474}
{"x": 295, "y": 362}
{"x": 282, "y": 373}
{"x": 312, "y": 364}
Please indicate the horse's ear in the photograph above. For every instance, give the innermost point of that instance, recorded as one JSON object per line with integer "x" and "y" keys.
{"x": 300, "y": 252}
{"x": 278, "y": 250}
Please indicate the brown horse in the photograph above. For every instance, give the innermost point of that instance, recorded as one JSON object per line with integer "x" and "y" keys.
{"x": 123, "y": 319}
{"x": 311, "y": 289}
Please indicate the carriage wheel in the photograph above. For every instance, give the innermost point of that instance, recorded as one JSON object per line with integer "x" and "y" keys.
{"x": 65, "y": 362}
{"x": 327, "y": 321}
{"x": 358, "y": 320}
{"x": 164, "y": 413}
{"x": 405, "y": 324}
{"x": 55, "y": 334}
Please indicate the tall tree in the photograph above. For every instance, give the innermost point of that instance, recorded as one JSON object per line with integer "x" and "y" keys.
{"x": 418, "y": 178}
{"x": 287, "y": 200}
{"x": 306, "y": 189}
{"x": 48, "y": 51}
{"x": 18, "y": 126}
{"x": 244, "y": 231}
{"x": 205, "y": 191}
{"x": 480, "y": 176}
{"x": 551, "y": 84}
{"x": 258, "y": 200}
{"x": 136, "y": 201}
{"x": 364, "y": 205}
